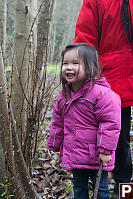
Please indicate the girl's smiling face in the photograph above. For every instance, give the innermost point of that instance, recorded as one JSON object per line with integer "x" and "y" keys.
{"x": 73, "y": 69}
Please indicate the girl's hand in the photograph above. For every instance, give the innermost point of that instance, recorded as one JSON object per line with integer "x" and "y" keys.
{"x": 105, "y": 158}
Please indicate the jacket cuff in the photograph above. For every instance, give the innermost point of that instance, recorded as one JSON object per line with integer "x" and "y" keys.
{"x": 106, "y": 151}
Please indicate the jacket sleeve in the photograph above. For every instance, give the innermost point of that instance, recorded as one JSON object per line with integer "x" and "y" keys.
{"x": 89, "y": 22}
{"x": 108, "y": 116}
{"x": 56, "y": 130}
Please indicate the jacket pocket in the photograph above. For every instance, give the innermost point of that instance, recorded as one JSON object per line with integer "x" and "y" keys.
{"x": 85, "y": 146}
{"x": 93, "y": 155}
{"x": 93, "y": 151}
{"x": 87, "y": 135}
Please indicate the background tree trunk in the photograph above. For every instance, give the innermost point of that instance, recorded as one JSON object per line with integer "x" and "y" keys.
{"x": 38, "y": 80}
{"x": 63, "y": 26}
{"x": 5, "y": 124}
{"x": 43, "y": 33}
{"x": 21, "y": 70}
{"x": 23, "y": 188}
{"x": 3, "y": 13}
{"x": 2, "y": 165}
{"x": 3, "y": 46}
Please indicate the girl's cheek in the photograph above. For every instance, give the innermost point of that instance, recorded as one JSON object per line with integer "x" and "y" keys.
{"x": 62, "y": 70}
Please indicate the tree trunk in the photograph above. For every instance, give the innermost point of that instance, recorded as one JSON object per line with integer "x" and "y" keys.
{"x": 43, "y": 33}
{"x": 23, "y": 188}
{"x": 63, "y": 25}
{"x": 5, "y": 126}
{"x": 3, "y": 4}
{"x": 2, "y": 166}
{"x": 33, "y": 14}
{"x": 3, "y": 46}
{"x": 21, "y": 71}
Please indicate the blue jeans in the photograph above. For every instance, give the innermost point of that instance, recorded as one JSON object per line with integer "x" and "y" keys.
{"x": 80, "y": 182}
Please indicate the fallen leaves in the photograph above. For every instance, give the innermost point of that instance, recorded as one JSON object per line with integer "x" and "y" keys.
{"x": 49, "y": 179}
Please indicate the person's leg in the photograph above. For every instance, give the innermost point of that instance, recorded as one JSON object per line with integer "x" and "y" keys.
{"x": 103, "y": 191}
{"x": 80, "y": 182}
{"x": 123, "y": 163}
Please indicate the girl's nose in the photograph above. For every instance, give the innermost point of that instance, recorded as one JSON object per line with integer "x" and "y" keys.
{"x": 69, "y": 66}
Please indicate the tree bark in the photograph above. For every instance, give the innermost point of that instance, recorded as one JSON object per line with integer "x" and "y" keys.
{"x": 3, "y": 13}
{"x": 63, "y": 26}
{"x": 23, "y": 188}
{"x": 2, "y": 142}
{"x": 21, "y": 71}
{"x": 5, "y": 127}
{"x": 2, "y": 166}
{"x": 43, "y": 33}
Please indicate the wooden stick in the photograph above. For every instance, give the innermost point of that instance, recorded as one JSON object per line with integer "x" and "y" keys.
{"x": 98, "y": 178}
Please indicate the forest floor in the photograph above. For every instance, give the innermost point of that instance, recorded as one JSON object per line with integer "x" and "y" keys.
{"x": 50, "y": 181}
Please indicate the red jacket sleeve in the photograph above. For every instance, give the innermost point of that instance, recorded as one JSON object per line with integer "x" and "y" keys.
{"x": 89, "y": 23}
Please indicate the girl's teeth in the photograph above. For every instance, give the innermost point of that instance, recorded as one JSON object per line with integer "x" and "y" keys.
{"x": 69, "y": 74}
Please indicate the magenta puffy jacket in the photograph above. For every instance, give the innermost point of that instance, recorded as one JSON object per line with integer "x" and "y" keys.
{"x": 85, "y": 125}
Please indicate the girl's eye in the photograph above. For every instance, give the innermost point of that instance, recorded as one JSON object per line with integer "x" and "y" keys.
{"x": 75, "y": 63}
{"x": 65, "y": 63}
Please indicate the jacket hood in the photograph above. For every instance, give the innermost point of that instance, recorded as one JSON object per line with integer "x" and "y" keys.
{"x": 103, "y": 82}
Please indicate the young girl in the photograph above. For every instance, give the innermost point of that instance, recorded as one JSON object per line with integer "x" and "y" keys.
{"x": 86, "y": 120}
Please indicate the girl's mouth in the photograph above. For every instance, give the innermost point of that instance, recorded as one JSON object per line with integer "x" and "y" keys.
{"x": 70, "y": 75}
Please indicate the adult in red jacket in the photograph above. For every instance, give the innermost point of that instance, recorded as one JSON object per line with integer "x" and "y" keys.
{"x": 108, "y": 26}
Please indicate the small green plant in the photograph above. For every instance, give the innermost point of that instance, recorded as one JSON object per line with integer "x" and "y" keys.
{"x": 5, "y": 188}
{"x": 69, "y": 188}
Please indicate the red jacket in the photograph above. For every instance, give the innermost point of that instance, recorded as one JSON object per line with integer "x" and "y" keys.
{"x": 100, "y": 24}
